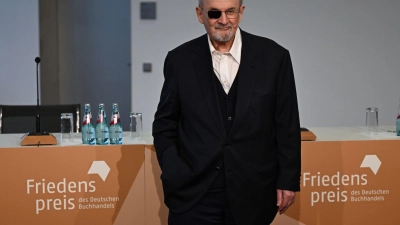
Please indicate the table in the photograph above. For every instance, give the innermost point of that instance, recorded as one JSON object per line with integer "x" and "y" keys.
{"x": 71, "y": 183}
{"x": 342, "y": 180}
{"x": 347, "y": 178}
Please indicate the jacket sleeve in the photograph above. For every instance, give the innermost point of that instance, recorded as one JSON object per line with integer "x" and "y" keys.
{"x": 166, "y": 119}
{"x": 287, "y": 128}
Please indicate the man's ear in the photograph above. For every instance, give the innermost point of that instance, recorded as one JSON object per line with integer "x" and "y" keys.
{"x": 199, "y": 13}
{"x": 241, "y": 11}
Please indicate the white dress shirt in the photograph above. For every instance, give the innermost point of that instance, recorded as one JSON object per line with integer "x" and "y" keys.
{"x": 226, "y": 65}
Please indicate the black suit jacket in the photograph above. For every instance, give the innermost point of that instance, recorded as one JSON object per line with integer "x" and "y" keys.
{"x": 261, "y": 152}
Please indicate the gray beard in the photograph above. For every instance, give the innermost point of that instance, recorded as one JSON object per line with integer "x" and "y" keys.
{"x": 218, "y": 38}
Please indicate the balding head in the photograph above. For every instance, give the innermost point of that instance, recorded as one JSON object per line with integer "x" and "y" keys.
{"x": 221, "y": 20}
{"x": 201, "y": 3}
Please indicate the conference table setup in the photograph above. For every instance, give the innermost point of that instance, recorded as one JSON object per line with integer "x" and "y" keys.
{"x": 224, "y": 89}
{"x": 348, "y": 177}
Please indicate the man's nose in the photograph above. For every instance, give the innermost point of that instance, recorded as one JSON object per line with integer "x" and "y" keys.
{"x": 223, "y": 19}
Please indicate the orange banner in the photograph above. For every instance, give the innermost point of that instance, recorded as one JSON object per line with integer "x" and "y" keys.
{"x": 343, "y": 182}
{"x": 72, "y": 185}
{"x": 347, "y": 182}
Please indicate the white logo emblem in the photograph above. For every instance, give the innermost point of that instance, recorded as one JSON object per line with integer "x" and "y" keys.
{"x": 371, "y": 161}
{"x": 101, "y": 168}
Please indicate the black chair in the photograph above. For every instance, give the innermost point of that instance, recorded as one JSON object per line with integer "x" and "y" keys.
{"x": 22, "y": 118}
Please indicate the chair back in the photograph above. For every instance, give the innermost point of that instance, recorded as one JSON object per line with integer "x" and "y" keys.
{"x": 22, "y": 118}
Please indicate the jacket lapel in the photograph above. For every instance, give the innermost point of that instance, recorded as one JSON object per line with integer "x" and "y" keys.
{"x": 205, "y": 75}
{"x": 246, "y": 80}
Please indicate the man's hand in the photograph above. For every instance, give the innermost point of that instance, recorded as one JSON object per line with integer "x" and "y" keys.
{"x": 285, "y": 199}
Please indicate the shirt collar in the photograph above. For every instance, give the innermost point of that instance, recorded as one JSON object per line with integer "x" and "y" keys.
{"x": 236, "y": 49}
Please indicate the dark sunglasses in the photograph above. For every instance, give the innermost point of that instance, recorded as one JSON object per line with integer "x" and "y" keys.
{"x": 216, "y": 14}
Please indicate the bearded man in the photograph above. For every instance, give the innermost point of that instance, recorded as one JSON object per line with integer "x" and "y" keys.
{"x": 226, "y": 130}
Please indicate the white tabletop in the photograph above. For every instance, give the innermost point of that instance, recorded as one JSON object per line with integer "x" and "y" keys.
{"x": 322, "y": 133}
{"x": 14, "y": 140}
{"x": 352, "y": 133}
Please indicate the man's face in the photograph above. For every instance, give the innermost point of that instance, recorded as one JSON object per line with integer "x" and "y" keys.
{"x": 221, "y": 29}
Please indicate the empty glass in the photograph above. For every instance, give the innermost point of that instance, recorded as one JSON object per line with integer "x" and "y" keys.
{"x": 67, "y": 127}
{"x": 372, "y": 121}
{"x": 136, "y": 128}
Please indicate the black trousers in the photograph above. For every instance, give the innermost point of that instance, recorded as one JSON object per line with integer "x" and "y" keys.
{"x": 212, "y": 209}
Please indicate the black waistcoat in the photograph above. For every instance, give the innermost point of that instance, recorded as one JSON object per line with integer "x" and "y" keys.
{"x": 227, "y": 104}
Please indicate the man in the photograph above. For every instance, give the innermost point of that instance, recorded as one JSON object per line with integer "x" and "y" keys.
{"x": 226, "y": 130}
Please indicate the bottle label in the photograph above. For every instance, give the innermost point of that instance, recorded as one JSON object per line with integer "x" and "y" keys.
{"x": 398, "y": 112}
{"x": 114, "y": 119}
{"x": 90, "y": 131}
{"x": 99, "y": 118}
{"x": 86, "y": 120}
{"x": 102, "y": 131}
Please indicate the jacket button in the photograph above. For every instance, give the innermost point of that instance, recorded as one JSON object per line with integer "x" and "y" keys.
{"x": 230, "y": 118}
{"x": 217, "y": 168}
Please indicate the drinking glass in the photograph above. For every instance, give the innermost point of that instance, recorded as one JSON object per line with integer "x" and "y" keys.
{"x": 67, "y": 127}
{"x": 136, "y": 128}
{"x": 372, "y": 120}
